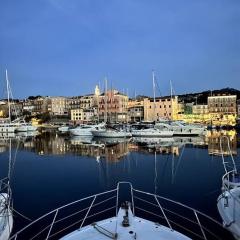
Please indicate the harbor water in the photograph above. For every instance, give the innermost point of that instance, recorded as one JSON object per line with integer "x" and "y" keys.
{"x": 49, "y": 169}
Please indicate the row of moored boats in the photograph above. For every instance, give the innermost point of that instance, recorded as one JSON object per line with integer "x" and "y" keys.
{"x": 159, "y": 129}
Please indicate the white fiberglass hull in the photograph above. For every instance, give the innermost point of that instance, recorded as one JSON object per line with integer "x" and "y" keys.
{"x": 110, "y": 134}
{"x": 80, "y": 132}
{"x": 26, "y": 128}
{"x": 139, "y": 229}
{"x": 151, "y": 133}
{"x": 6, "y": 218}
{"x": 228, "y": 207}
{"x": 188, "y": 132}
{"x": 63, "y": 129}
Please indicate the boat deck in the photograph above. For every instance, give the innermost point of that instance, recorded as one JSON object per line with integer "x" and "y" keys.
{"x": 138, "y": 228}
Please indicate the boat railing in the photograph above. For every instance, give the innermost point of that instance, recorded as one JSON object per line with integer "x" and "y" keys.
{"x": 226, "y": 164}
{"x": 76, "y": 215}
{"x": 230, "y": 180}
{"x": 3, "y": 184}
{"x": 5, "y": 188}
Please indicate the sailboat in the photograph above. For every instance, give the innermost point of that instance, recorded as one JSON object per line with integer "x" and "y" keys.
{"x": 6, "y": 217}
{"x": 228, "y": 203}
{"x": 8, "y": 126}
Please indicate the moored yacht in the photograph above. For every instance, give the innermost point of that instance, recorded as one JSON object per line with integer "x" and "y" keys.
{"x": 110, "y": 133}
{"x": 152, "y": 132}
{"x": 84, "y": 130}
{"x": 25, "y": 127}
{"x": 182, "y": 129}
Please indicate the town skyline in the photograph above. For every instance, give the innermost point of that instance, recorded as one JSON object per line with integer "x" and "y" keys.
{"x": 65, "y": 47}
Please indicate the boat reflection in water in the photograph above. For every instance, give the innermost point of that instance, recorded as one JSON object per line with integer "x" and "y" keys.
{"x": 159, "y": 165}
{"x": 213, "y": 141}
{"x": 52, "y": 143}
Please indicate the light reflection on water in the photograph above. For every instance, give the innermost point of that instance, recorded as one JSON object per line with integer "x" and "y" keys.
{"x": 52, "y": 169}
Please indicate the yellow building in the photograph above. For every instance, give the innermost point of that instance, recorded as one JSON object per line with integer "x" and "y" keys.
{"x": 162, "y": 107}
{"x": 82, "y": 115}
{"x": 226, "y": 104}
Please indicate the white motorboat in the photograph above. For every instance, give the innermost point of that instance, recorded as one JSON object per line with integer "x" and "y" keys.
{"x": 26, "y": 127}
{"x": 151, "y": 132}
{"x": 182, "y": 129}
{"x": 84, "y": 130}
{"x": 102, "y": 216}
{"x": 63, "y": 129}
{"x": 110, "y": 133}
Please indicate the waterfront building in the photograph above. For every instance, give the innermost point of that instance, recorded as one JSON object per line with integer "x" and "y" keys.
{"x": 135, "y": 110}
{"x": 238, "y": 108}
{"x": 162, "y": 107}
{"x": 224, "y": 104}
{"x": 223, "y": 109}
{"x": 84, "y": 108}
{"x": 58, "y": 106}
{"x": 35, "y": 106}
{"x": 113, "y": 106}
{"x": 81, "y": 102}
{"x": 80, "y": 115}
{"x": 16, "y": 109}
{"x": 200, "y": 109}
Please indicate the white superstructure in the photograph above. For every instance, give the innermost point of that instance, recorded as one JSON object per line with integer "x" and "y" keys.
{"x": 182, "y": 129}
{"x": 110, "y": 133}
{"x": 152, "y": 132}
{"x": 84, "y": 130}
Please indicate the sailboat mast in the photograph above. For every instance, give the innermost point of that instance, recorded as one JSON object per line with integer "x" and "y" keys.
{"x": 171, "y": 92}
{"x": 8, "y": 96}
{"x": 154, "y": 96}
{"x": 105, "y": 110}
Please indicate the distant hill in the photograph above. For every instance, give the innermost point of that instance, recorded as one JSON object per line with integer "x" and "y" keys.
{"x": 201, "y": 97}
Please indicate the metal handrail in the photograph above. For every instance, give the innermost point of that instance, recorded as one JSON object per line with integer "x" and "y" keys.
{"x": 226, "y": 183}
{"x": 50, "y": 230}
{"x": 230, "y": 151}
{"x": 58, "y": 209}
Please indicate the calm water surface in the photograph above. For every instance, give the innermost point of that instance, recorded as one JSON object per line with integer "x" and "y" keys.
{"x": 51, "y": 170}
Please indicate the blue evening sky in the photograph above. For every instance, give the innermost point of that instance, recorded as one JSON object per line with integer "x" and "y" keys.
{"x": 66, "y": 47}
